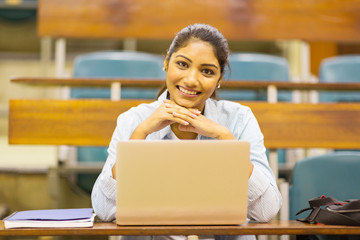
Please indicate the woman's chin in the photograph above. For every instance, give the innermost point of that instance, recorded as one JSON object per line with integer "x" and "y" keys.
{"x": 185, "y": 103}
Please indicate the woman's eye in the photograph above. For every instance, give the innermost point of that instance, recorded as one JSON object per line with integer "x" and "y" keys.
{"x": 208, "y": 72}
{"x": 182, "y": 64}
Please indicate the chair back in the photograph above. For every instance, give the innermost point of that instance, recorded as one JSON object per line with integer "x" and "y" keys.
{"x": 334, "y": 175}
{"x": 112, "y": 64}
{"x": 256, "y": 67}
{"x": 340, "y": 69}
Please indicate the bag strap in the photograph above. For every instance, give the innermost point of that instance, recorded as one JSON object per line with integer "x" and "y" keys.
{"x": 324, "y": 201}
{"x": 334, "y": 218}
{"x": 312, "y": 216}
{"x": 318, "y": 202}
{"x": 350, "y": 206}
{"x": 330, "y": 216}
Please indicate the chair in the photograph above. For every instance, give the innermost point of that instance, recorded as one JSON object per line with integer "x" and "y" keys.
{"x": 257, "y": 67}
{"x": 112, "y": 64}
{"x": 335, "y": 174}
{"x": 345, "y": 68}
{"x": 340, "y": 69}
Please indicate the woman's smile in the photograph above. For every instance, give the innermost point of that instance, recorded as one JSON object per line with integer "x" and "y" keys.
{"x": 187, "y": 92}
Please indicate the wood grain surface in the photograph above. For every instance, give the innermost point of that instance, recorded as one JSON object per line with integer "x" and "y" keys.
{"x": 321, "y": 20}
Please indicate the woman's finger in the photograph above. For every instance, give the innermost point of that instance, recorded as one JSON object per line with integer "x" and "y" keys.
{"x": 187, "y": 128}
{"x": 179, "y": 120}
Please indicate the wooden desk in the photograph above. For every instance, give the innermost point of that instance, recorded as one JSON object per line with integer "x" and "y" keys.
{"x": 110, "y": 229}
{"x": 226, "y": 84}
{"x": 116, "y": 83}
{"x": 284, "y": 125}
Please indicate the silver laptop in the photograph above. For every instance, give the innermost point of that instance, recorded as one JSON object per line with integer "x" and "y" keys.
{"x": 182, "y": 182}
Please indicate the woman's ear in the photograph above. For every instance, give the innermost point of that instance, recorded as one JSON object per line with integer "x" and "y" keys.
{"x": 166, "y": 63}
{"x": 219, "y": 82}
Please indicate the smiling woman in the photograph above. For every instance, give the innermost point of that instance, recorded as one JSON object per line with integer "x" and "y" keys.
{"x": 193, "y": 73}
{"x": 187, "y": 109}
{"x": 203, "y": 34}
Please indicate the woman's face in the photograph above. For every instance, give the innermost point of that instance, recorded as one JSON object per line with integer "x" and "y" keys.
{"x": 193, "y": 74}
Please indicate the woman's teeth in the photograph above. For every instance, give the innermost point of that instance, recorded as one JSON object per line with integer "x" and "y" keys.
{"x": 187, "y": 91}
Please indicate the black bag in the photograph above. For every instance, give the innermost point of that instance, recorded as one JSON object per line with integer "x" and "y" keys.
{"x": 328, "y": 210}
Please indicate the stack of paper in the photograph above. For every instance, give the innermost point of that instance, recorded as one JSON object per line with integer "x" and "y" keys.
{"x": 52, "y": 218}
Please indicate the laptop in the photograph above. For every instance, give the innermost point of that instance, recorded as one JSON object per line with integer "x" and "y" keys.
{"x": 182, "y": 182}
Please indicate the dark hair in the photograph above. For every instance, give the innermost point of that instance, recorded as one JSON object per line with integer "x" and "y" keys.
{"x": 205, "y": 33}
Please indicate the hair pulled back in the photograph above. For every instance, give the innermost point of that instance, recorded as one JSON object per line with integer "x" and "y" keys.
{"x": 205, "y": 33}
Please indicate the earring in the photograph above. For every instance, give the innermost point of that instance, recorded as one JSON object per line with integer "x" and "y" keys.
{"x": 218, "y": 86}
{"x": 164, "y": 69}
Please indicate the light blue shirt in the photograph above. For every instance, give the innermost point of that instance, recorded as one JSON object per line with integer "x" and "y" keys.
{"x": 264, "y": 199}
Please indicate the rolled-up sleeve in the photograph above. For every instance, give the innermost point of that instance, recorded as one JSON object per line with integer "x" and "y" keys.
{"x": 103, "y": 196}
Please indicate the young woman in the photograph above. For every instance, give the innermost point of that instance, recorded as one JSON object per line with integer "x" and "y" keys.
{"x": 187, "y": 109}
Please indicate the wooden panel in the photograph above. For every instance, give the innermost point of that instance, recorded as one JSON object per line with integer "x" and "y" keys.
{"x": 72, "y": 122}
{"x": 92, "y": 122}
{"x": 321, "y": 20}
{"x": 287, "y": 125}
{"x": 320, "y": 51}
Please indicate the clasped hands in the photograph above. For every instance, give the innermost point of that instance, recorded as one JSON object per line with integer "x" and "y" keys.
{"x": 187, "y": 119}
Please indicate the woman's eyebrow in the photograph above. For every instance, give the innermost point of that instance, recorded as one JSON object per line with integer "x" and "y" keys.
{"x": 205, "y": 64}
{"x": 209, "y": 65}
{"x": 184, "y": 57}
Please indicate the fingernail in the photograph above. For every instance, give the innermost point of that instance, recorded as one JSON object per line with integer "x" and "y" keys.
{"x": 193, "y": 115}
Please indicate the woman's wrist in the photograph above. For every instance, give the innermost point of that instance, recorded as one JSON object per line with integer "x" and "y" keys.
{"x": 225, "y": 134}
{"x": 113, "y": 170}
{"x": 139, "y": 133}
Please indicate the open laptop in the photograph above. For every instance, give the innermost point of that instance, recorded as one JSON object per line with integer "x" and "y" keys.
{"x": 189, "y": 182}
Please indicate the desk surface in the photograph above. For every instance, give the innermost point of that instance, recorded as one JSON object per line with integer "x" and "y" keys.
{"x": 228, "y": 84}
{"x": 272, "y": 228}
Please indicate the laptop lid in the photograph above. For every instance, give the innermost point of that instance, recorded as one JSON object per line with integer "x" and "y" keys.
{"x": 203, "y": 182}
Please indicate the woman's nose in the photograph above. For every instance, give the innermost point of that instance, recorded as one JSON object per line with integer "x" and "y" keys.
{"x": 191, "y": 79}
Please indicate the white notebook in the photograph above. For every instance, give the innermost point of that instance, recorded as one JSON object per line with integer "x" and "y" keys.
{"x": 51, "y": 218}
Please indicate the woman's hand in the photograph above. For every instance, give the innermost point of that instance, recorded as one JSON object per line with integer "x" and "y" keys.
{"x": 162, "y": 117}
{"x": 199, "y": 124}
